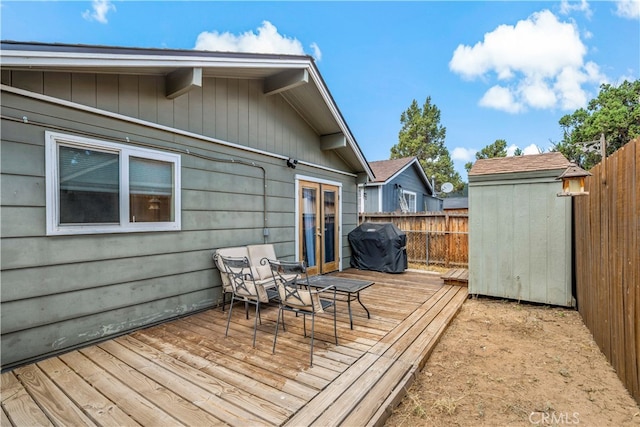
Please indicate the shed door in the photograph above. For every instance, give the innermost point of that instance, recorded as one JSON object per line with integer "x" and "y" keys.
{"x": 319, "y": 226}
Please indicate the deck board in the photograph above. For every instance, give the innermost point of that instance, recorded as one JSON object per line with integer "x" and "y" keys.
{"x": 186, "y": 372}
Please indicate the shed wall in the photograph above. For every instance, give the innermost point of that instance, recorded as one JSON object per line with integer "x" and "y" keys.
{"x": 63, "y": 291}
{"x": 520, "y": 240}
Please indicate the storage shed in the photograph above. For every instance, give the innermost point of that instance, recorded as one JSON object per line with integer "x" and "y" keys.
{"x": 519, "y": 230}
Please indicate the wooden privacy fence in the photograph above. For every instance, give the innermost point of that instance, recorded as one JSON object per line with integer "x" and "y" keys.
{"x": 433, "y": 238}
{"x": 607, "y": 251}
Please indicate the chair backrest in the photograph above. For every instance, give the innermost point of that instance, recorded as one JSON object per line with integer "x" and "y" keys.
{"x": 236, "y": 252}
{"x": 292, "y": 282}
{"x": 257, "y": 253}
{"x": 241, "y": 278}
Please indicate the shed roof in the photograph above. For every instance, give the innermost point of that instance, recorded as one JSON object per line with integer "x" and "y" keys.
{"x": 527, "y": 163}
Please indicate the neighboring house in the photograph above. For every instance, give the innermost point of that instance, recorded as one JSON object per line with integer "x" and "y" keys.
{"x": 123, "y": 169}
{"x": 400, "y": 186}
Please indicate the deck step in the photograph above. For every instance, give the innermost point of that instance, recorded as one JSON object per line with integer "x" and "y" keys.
{"x": 456, "y": 276}
{"x": 367, "y": 392}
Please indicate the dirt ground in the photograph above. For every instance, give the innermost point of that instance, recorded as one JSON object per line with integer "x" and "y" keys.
{"x": 501, "y": 363}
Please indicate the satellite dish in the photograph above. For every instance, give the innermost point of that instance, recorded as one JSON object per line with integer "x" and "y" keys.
{"x": 446, "y": 187}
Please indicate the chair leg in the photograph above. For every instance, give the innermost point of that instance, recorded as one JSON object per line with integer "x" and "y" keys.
{"x": 275, "y": 338}
{"x": 224, "y": 299}
{"x": 304, "y": 323}
{"x": 229, "y": 316}
{"x": 313, "y": 319}
{"x": 335, "y": 324}
{"x": 255, "y": 322}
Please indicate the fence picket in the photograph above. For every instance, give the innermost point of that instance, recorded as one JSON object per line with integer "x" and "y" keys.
{"x": 607, "y": 225}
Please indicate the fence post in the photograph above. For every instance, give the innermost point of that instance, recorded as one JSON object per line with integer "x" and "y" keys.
{"x": 447, "y": 239}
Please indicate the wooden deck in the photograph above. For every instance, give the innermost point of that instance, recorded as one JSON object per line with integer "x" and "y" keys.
{"x": 185, "y": 372}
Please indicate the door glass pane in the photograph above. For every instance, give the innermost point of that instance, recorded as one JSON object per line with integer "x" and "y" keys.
{"x": 329, "y": 205}
{"x": 89, "y": 186}
{"x": 150, "y": 190}
{"x": 309, "y": 224}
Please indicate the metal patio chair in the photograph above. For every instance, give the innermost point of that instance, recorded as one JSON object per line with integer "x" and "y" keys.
{"x": 296, "y": 295}
{"x": 245, "y": 289}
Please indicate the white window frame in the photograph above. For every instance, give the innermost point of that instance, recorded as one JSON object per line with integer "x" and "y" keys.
{"x": 412, "y": 200}
{"x": 53, "y": 140}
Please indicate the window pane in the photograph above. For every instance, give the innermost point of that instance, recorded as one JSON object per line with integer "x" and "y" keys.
{"x": 329, "y": 225}
{"x": 309, "y": 225}
{"x": 89, "y": 186}
{"x": 151, "y": 190}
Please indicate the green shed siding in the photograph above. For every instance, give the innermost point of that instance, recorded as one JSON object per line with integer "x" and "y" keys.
{"x": 520, "y": 239}
{"x": 63, "y": 291}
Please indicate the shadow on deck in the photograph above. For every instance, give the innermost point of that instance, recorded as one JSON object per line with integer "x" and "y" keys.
{"x": 185, "y": 372}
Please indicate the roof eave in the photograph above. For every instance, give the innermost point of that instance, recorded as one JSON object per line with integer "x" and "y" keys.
{"x": 40, "y": 56}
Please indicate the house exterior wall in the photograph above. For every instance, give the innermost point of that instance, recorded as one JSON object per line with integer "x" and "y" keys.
{"x": 520, "y": 238}
{"x": 371, "y": 202}
{"x": 63, "y": 291}
{"x": 409, "y": 180}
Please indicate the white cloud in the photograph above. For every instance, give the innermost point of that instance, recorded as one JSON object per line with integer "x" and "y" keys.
{"x": 531, "y": 60}
{"x": 531, "y": 149}
{"x": 463, "y": 154}
{"x": 628, "y": 9}
{"x": 317, "y": 53}
{"x": 501, "y": 98}
{"x": 538, "y": 94}
{"x": 567, "y": 7}
{"x": 99, "y": 11}
{"x": 267, "y": 40}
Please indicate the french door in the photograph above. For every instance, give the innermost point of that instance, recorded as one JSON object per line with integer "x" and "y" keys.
{"x": 319, "y": 226}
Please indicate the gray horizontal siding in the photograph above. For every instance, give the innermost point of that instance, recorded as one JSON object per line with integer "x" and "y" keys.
{"x": 62, "y": 291}
{"x": 30, "y": 343}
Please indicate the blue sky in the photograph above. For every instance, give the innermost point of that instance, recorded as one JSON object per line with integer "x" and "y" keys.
{"x": 496, "y": 70}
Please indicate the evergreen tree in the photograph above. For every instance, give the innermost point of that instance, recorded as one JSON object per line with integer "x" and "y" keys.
{"x": 423, "y": 136}
{"x": 497, "y": 149}
{"x": 614, "y": 113}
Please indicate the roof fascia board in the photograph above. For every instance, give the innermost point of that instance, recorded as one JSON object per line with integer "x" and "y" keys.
{"x": 23, "y": 58}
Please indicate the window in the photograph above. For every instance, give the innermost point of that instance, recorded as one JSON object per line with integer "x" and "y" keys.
{"x": 410, "y": 198}
{"x": 101, "y": 187}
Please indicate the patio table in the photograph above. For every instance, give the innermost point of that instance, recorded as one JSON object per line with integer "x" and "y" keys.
{"x": 349, "y": 287}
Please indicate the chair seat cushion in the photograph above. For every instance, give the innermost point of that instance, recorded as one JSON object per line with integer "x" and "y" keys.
{"x": 303, "y": 300}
